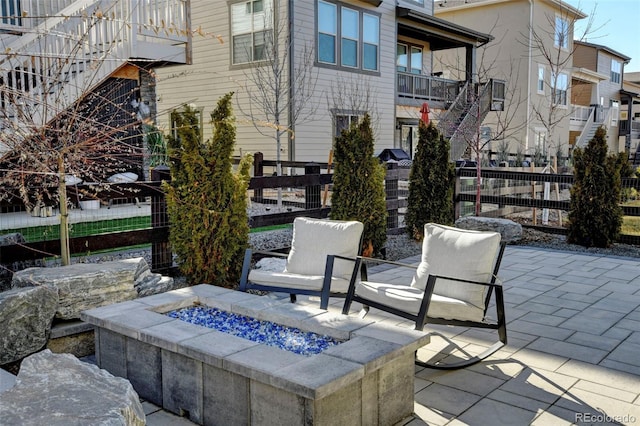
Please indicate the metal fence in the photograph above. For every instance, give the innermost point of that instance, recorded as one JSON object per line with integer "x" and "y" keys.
{"x": 534, "y": 198}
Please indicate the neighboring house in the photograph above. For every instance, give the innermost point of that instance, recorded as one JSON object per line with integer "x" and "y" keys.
{"x": 367, "y": 56}
{"x": 596, "y": 98}
{"x": 55, "y": 52}
{"x": 630, "y": 114}
{"x": 560, "y": 89}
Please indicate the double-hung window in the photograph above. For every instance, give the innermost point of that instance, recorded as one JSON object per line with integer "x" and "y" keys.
{"x": 343, "y": 121}
{"x": 616, "y": 71}
{"x": 347, "y": 37}
{"x": 561, "y": 33}
{"x": 561, "y": 85}
{"x": 251, "y": 30}
{"x": 350, "y": 31}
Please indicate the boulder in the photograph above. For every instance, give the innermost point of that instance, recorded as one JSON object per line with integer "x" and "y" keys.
{"x": 59, "y": 389}
{"x": 84, "y": 286}
{"x": 26, "y": 315}
{"x": 509, "y": 230}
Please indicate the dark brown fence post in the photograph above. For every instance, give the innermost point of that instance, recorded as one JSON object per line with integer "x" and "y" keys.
{"x": 457, "y": 205}
{"x": 312, "y": 192}
{"x": 391, "y": 189}
{"x": 258, "y": 170}
{"x": 161, "y": 254}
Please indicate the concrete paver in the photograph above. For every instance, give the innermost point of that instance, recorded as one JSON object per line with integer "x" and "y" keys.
{"x": 573, "y": 322}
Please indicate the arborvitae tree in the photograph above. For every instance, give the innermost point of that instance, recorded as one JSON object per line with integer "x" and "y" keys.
{"x": 206, "y": 200}
{"x": 595, "y": 215}
{"x": 358, "y": 185}
{"x": 430, "y": 183}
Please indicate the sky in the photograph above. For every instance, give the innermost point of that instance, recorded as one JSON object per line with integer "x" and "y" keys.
{"x": 616, "y": 25}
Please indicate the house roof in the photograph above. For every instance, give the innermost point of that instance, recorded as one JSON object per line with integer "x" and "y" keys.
{"x": 610, "y": 51}
{"x": 440, "y": 34}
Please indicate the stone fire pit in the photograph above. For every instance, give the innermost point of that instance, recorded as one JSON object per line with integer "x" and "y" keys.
{"x": 213, "y": 377}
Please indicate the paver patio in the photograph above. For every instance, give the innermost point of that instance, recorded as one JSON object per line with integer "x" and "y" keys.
{"x": 573, "y": 356}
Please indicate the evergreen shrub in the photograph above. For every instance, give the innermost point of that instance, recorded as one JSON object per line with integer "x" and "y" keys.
{"x": 595, "y": 215}
{"x": 206, "y": 200}
{"x": 431, "y": 183}
{"x": 358, "y": 185}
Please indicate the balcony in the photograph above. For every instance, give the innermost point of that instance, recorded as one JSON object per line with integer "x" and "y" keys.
{"x": 413, "y": 89}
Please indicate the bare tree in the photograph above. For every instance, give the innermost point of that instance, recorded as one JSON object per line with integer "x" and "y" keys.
{"x": 502, "y": 121}
{"x": 63, "y": 113}
{"x": 353, "y": 96}
{"x": 552, "y": 44}
{"x": 280, "y": 84}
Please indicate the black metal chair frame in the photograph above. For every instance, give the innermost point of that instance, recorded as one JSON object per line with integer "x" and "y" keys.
{"x": 324, "y": 293}
{"x": 422, "y": 319}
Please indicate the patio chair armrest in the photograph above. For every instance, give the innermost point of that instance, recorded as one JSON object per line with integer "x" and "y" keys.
{"x": 246, "y": 264}
{"x": 387, "y": 262}
{"x": 487, "y": 284}
{"x": 267, "y": 252}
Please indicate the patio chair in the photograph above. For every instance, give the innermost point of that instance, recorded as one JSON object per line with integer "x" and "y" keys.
{"x": 452, "y": 285}
{"x": 321, "y": 261}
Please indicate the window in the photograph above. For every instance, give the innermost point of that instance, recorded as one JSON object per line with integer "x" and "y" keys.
{"x": 540, "y": 145}
{"x": 615, "y": 112}
{"x": 371, "y": 41}
{"x": 561, "y": 36}
{"x": 402, "y": 59}
{"x": 616, "y": 71}
{"x": 416, "y": 60}
{"x": 342, "y": 122}
{"x": 11, "y": 12}
{"x": 406, "y": 62}
{"x": 176, "y": 115}
{"x": 541, "y": 79}
{"x": 350, "y": 37}
{"x": 251, "y": 26}
{"x": 560, "y": 89}
{"x": 358, "y": 33}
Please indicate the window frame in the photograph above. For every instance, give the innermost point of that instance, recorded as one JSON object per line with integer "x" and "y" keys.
{"x": 559, "y": 96}
{"x": 541, "y": 81}
{"x": 363, "y": 46}
{"x": 616, "y": 75}
{"x": 409, "y": 54}
{"x": 173, "y": 131}
{"x": 351, "y": 116}
{"x": 268, "y": 7}
{"x": 561, "y": 39}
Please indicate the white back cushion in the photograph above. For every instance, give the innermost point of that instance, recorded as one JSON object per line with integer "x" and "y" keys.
{"x": 457, "y": 253}
{"x": 314, "y": 239}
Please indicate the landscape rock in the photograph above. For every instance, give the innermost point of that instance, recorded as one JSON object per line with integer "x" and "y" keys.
{"x": 509, "y": 230}
{"x": 26, "y": 315}
{"x": 84, "y": 286}
{"x": 58, "y": 389}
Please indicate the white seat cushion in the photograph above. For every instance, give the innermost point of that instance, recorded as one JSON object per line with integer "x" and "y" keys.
{"x": 296, "y": 281}
{"x": 408, "y": 299}
{"x": 457, "y": 253}
{"x": 314, "y": 239}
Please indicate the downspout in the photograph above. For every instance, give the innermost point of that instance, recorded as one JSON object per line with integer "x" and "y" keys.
{"x": 291, "y": 154}
{"x": 529, "y": 59}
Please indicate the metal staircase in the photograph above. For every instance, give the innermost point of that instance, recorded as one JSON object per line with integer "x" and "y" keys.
{"x": 69, "y": 47}
{"x": 461, "y": 121}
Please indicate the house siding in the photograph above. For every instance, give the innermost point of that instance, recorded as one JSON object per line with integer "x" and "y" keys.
{"x": 211, "y": 76}
{"x": 506, "y": 57}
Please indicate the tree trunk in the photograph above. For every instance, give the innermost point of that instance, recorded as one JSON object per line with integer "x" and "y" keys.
{"x": 64, "y": 215}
